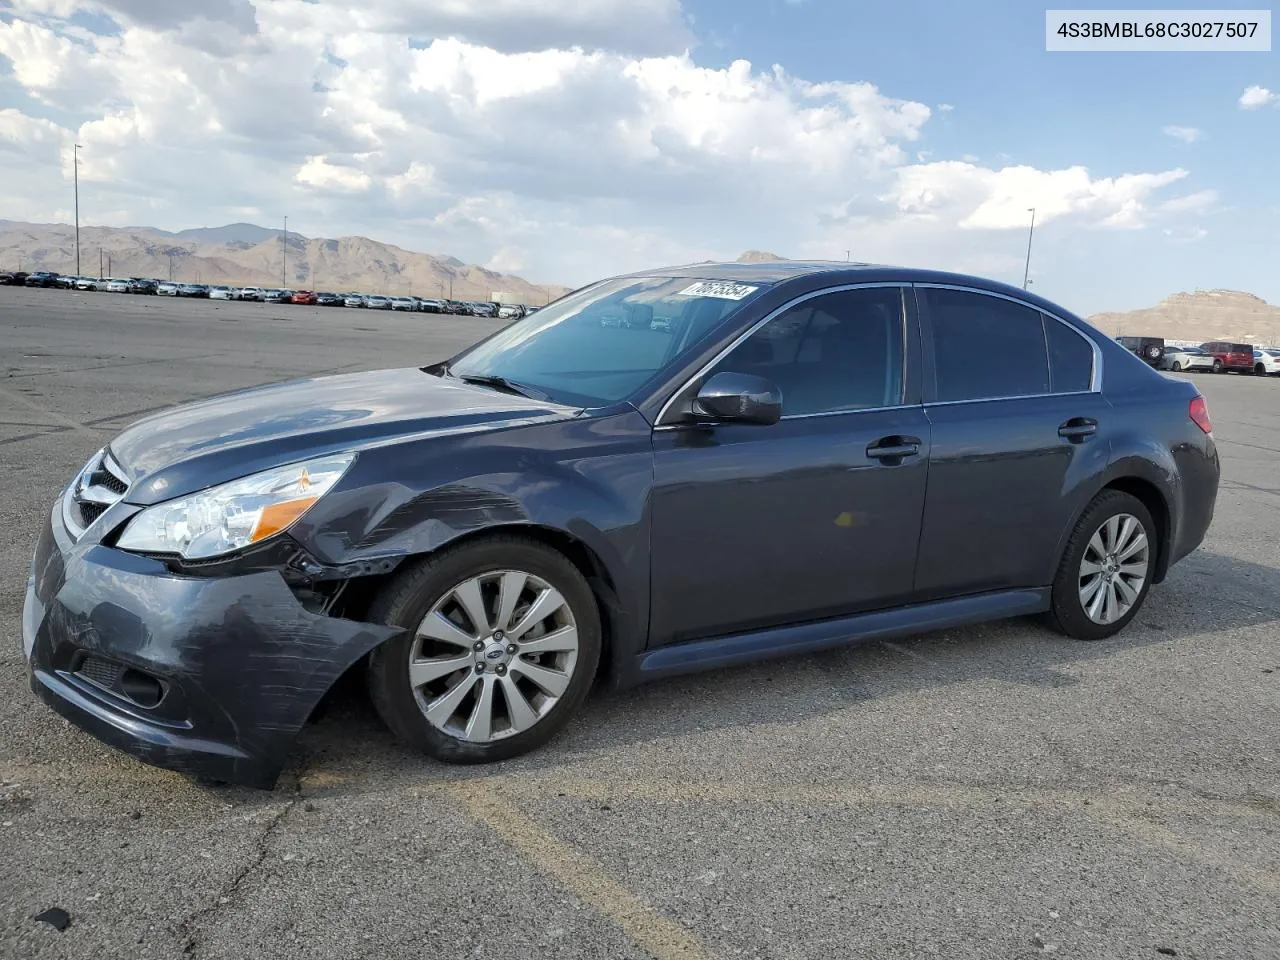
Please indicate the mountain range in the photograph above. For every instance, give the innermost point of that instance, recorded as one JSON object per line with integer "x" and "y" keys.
{"x": 247, "y": 254}
{"x": 1199, "y": 316}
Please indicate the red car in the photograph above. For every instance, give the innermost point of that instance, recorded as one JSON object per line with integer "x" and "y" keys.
{"x": 305, "y": 297}
{"x": 1229, "y": 356}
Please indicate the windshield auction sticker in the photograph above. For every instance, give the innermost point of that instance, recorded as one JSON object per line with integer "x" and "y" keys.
{"x": 720, "y": 289}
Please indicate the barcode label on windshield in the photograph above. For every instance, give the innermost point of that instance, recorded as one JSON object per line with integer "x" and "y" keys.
{"x": 719, "y": 289}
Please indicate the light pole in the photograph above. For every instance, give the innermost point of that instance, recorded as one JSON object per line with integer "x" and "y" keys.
{"x": 1026, "y": 276}
{"x": 75, "y": 153}
{"x": 284, "y": 253}
{"x": 846, "y": 256}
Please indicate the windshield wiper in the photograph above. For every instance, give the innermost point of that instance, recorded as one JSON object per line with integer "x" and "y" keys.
{"x": 502, "y": 383}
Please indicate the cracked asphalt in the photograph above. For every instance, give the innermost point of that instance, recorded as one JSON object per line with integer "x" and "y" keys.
{"x": 990, "y": 792}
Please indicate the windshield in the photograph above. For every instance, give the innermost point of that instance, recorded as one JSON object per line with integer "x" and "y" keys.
{"x": 599, "y": 345}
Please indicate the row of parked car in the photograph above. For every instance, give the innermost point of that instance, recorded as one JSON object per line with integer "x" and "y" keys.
{"x": 1213, "y": 356}
{"x": 166, "y": 288}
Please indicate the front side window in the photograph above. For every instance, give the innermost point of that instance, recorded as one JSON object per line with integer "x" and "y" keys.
{"x": 600, "y": 344}
{"x": 985, "y": 348}
{"x": 835, "y": 352}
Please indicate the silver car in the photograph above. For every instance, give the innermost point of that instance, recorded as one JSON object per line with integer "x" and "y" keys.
{"x": 1191, "y": 359}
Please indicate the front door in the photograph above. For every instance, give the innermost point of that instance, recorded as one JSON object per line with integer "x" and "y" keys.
{"x": 815, "y": 516}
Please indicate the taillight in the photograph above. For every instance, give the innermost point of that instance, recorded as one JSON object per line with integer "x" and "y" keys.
{"x": 1199, "y": 414}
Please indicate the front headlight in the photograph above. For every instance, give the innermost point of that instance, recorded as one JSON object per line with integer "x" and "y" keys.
{"x": 236, "y": 514}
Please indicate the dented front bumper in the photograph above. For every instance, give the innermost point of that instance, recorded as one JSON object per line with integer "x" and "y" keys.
{"x": 212, "y": 677}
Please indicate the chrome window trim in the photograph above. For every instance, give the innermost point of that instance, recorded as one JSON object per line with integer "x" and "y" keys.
{"x": 1095, "y": 378}
{"x": 773, "y": 314}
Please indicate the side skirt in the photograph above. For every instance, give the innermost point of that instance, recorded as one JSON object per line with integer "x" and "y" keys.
{"x": 727, "y": 651}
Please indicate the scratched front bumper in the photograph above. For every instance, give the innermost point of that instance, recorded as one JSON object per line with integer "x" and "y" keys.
{"x": 242, "y": 664}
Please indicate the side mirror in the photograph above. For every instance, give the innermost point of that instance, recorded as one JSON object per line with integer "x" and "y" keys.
{"x": 739, "y": 398}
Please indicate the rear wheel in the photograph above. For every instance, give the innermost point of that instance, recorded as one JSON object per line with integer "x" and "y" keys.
{"x": 1176, "y": 367}
{"x": 502, "y": 640}
{"x": 1217, "y": 366}
{"x": 1106, "y": 569}
{"x": 1259, "y": 370}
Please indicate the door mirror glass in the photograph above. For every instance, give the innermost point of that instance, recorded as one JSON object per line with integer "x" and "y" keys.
{"x": 739, "y": 398}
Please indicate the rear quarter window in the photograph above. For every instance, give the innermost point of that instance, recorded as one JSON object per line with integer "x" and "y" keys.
{"x": 1070, "y": 358}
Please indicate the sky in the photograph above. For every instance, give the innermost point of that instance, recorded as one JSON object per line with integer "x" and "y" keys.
{"x": 569, "y": 141}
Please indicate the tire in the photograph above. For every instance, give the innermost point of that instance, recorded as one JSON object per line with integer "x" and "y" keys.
{"x": 1217, "y": 366}
{"x": 1176, "y": 367}
{"x": 1068, "y": 613}
{"x": 418, "y": 591}
{"x": 1259, "y": 370}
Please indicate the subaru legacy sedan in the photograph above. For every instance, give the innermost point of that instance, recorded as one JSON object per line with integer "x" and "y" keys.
{"x": 679, "y": 470}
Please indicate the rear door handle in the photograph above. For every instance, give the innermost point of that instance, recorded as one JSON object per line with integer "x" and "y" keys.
{"x": 893, "y": 448}
{"x": 1078, "y": 429}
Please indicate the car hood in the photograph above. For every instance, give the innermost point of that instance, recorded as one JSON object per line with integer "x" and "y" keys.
{"x": 212, "y": 441}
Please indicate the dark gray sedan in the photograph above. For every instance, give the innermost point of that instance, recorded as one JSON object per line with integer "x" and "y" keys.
{"x": 672, "y": 471}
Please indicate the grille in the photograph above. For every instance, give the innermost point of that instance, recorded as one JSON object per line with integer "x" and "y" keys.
{"x": 100, "y": 484}
{"x": 105, "y": 673}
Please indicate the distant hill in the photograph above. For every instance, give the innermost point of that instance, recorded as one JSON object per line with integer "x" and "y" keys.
{"x": 232, "y": 234}
{"x": 243, "y": 253}
{"x": 758, "y": 256}
{"x": 1203, "y": 315}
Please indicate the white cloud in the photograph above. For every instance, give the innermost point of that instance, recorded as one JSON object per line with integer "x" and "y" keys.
{"x": 318, "y": 172}
{"x": 636, "y": 26}
{"x": 1197, "y": 202}
{"x": 945, "y": 108}
{"x": 1255, "y": 97}
{"x": 1185, "y": 134}
{"x": 974, "y": 197}
{"x": 610, "y": 149}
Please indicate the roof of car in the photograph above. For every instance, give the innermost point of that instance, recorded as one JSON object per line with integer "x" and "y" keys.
{"x": 777, "y": 271}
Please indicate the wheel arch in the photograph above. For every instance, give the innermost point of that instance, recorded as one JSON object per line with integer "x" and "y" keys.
{"x": 585, "y": 558}
{"x": 1151, "y": 497}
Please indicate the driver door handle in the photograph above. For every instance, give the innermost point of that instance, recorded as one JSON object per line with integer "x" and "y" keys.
{"x": 893, "y": 448}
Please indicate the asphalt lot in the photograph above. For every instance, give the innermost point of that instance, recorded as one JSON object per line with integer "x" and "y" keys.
{"x": 983, "y": 793}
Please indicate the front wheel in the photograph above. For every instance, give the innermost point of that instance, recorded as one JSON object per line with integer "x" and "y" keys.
{"x": 1105, "y": 571}
{"x": 502, "y": 640}
{"x": 1176, "y": 367}
{"x": 1217, "y": 366}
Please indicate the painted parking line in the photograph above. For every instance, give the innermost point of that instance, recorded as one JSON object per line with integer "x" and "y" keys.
{"x": 662, "y": 937}
{"x": 1138, "y": 815}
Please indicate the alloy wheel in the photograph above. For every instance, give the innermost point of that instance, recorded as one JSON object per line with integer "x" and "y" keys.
{"x": 1114, "y": 568}
{"x": 493, "y": 656}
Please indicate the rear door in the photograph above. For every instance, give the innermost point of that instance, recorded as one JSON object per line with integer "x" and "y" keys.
{"x": 1018, "y": 427}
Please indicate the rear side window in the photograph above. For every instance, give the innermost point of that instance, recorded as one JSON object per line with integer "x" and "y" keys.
{"x": 1070, "y": 358}
{"x": 985, "y": 347}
